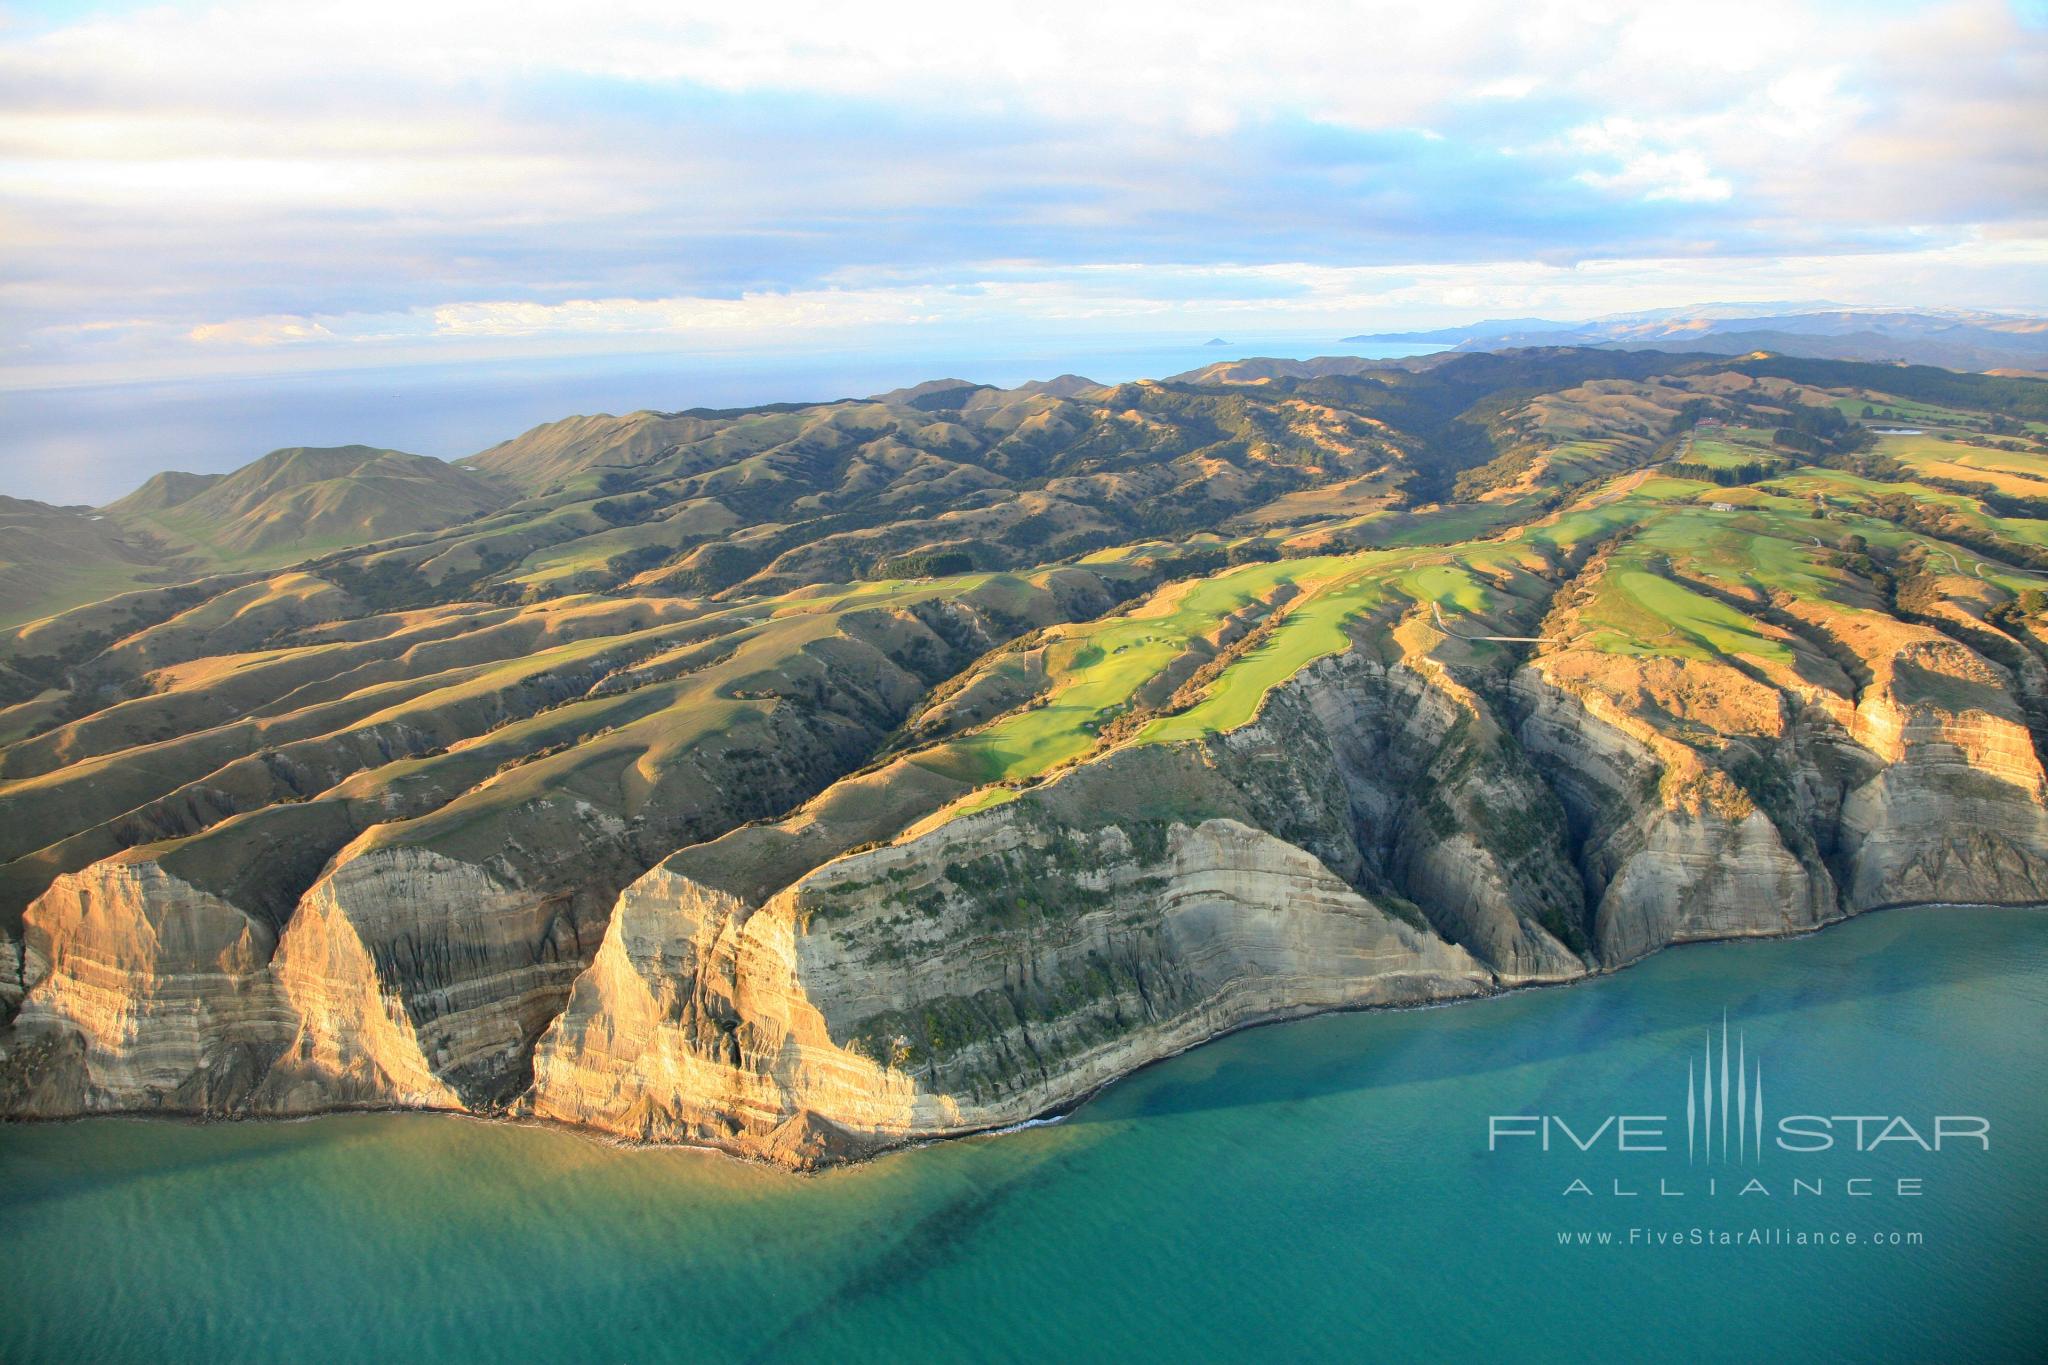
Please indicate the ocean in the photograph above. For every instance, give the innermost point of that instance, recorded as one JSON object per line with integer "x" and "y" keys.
{"x": 1370, "y": 1186}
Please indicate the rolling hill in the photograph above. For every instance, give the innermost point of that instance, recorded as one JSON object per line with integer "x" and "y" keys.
{"x": 284, "y": 507}
{"x": 810, "y": 779}
{"x": 52, "y": 557}
{"x": 301, "y": 501}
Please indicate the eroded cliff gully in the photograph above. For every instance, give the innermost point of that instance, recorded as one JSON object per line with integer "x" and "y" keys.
{"x": 1382, "y": 833}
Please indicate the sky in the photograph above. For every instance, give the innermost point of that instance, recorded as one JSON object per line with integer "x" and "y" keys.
{"x": 204, "y": 192}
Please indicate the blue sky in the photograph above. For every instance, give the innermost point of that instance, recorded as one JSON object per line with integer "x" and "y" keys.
{"x": 242, "y": 189}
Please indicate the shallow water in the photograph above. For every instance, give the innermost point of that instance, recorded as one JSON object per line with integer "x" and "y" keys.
{"x": 1320, "y": 1189}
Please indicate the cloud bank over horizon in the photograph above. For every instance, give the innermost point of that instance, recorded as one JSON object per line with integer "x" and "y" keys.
{"x": 248, "y": 187}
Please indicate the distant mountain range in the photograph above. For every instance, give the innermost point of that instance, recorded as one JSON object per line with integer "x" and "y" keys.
{"x": 1953, "y": 339}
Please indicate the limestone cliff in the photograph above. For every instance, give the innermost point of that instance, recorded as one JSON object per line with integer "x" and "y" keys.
{"x": 914, "y": 992}
{"x": 399, "y": 1002}
{"x": 1957, "y": 812}
{"x": 1428, "y": 798}
{"x": 403, "y": 937}
{"x": 1378, "y": 833}
{"x": 1670, "y": 849}
{"x": 147, "y": 993}
{"x": 987, "y": 967}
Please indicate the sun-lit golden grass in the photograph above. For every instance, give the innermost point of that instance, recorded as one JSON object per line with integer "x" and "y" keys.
{"x": 445, "y": 672}
{"x": 560, "y": 671}
{"x": 1690, "y": 583}
{"x": 294, "y": 504}
{"x": 580, "y": 709}
{"x": 1350, "y": 500}
{"x": 240, "y": 618}
{"x": 2017, "y": 473}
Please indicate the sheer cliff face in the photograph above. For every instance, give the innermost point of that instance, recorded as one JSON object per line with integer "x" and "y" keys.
{"x": 150, "y": 994}
{"x": 1378, "y": 834}
{"x": 1959, "y": 803}
{"x": 810, "y": 875}
{"x": 279, "y": 961}
{"x": 10, "y": 974}
{"x": 1009, "y": 961}
{"x": 1870, "y": 761}
{"x": 1005, "y": 963}
{"x": 1008, "y": 968}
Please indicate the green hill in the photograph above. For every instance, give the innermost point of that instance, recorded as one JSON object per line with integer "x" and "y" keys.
{"x": 301, "y": 501}
{"x": 288, "y": 506}
{"x": 813, "y": 778}
{"x": 53, "y": 557}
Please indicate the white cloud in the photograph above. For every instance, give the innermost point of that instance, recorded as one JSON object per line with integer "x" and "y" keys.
{"x": 358, "y": 77}
{"x": 757, "y": 313}
{"x": 1061, "y": 57}
{"x": 1682, "y": 176}
{"x": 385, "y": 176}
{"x": 1129, "y": 298}
{"x": 1647, "y": 164}
{"x": 259, "y": 332}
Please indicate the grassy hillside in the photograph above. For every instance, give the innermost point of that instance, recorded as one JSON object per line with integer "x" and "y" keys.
{"x": 296, "y": 503}
{"x": 745, "y": 645}
{"x": 992, "y": 717}
{"x": 289, "y": 506}
{"x": 54, "y": 557}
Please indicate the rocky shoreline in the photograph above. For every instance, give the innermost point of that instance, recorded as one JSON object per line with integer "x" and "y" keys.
{"x": 1059, "y": 1114}
{"x": 980, "y": 969}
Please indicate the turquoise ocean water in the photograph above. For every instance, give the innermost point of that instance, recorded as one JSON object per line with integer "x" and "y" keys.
{"x": 1314, "y": 1190}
